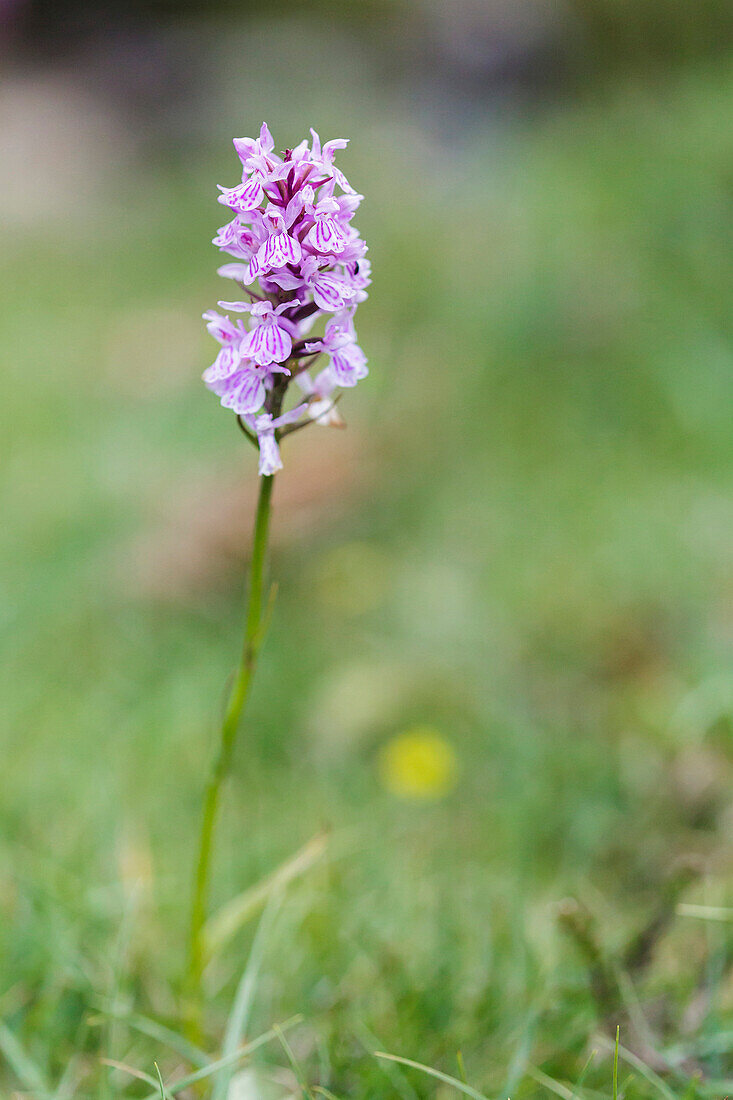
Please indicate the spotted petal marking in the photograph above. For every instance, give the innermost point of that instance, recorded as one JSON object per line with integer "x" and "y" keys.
{"x": 277, "y": 343}
{"x": 349, "y": 365}
{"x": 326, "y": 295}
{"x": 246, "y": 393}
{"x": 226, "y": 362}
{"x": 243, "y": 198}
{"x": 331, "y": 293}
{"x": 267, "y": 343}
{"x": 326, "y": 236}
{"x": 279, "y": 250}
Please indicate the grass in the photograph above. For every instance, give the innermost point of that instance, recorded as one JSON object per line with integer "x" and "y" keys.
{"x": 531, "y": 503}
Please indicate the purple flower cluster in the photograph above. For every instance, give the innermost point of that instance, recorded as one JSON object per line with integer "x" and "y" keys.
{"x": 292, "y": 237}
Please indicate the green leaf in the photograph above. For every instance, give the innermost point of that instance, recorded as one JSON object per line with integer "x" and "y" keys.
{"x": 231, "y": 917}
{"x": 27, "y": 1072}
{"x": 244, "y": 997}
{"x": 469, "y": 1091}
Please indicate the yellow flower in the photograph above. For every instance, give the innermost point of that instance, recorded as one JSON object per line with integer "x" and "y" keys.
{"x": 418, "y": 764}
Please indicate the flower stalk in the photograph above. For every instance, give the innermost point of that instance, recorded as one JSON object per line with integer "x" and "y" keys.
{"x": 253, "y": 636}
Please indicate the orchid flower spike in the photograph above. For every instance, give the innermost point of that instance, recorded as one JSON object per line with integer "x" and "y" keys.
{"x": 292, "y": 234}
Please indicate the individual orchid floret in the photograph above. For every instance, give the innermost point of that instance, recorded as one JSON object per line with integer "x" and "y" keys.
{"x": 230, "y": 337}
{"x": 264, "y": 427}
{"x": 327, "y": 235}
{"x": 326, "y": 158}
{"x": 239, "y": 240}
{"x": 268, "y": 341}
{"x": 348, "y": 361}
{"x": 331, "y": 292}
{"x": 243, "y": 390}
{"x": 253, "y": 151}
{"x": 301, "y": 264}
{"x": 278, "y": 250}
{"x": 321, "y": 400}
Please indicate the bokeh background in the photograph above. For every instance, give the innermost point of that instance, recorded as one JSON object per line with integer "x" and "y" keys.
{"x": 498, "y": 678}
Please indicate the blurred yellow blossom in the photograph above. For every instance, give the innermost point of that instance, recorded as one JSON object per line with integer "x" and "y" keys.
{"x": 418, "y": 764}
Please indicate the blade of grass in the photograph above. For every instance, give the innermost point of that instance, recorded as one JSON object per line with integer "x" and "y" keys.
{"x": 67, "y": 1085}
{"x": 615, "y": 1065}
{"x": 25, "y": 1069}
{"x": 138, "y": 1074}
{"x": 550, "y": 1083}
{"x": 220, "y": 928}
{"x": 161, "y": 1034}
{"x": 445, "y": 1077}
{"x": 300, "y": 1077}
{"x": 163, "y": 1091}
{"x": 520, "y": 1061}
{"x": 324, "y": 1061}
{"x": 221, "y": 1063}
{"x": 119, "y": 957}
{"x": 715, "y": 1088}
{"x": 720, "y": 1043}
{"x": 583, "y": 1074}
{"x": 637, "y": 1019}
{"x": 641, "y": 1067}
{"x": 400, "y": 1081}
{"x": 244, "y": 997}
{"x": 705, "y": 912}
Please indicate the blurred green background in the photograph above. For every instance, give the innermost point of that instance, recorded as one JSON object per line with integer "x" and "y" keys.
{"x": 522, "y": 545}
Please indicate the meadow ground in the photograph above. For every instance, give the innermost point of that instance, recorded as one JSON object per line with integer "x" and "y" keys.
{"x": 522, "y": 542}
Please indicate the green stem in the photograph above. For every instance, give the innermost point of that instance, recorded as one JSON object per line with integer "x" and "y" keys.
{"x": 222, "y": 761}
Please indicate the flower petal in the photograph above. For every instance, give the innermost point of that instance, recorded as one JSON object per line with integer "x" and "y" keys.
{"x": 349, "y": 365}
{"x": 279, "y": 250}
{"x": 245, "y": 146}
{"x": 266, "y": 141}
{"x": 289, "y": 417}
{"x": 331, "y": 292}
{"x": 331, "y": 146}
{"x": 245, "y": 393}
{"x": 225, "y": 364}
{"x": 243, "y": 198}
{"x": 221, "y": 328}
{"x": 270, "y": 461}
{"x": 326, "y": 236}
{"x": 236, "y": 307}
{"x": 276, "y": 343}
{"x": 240, "y": 272}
